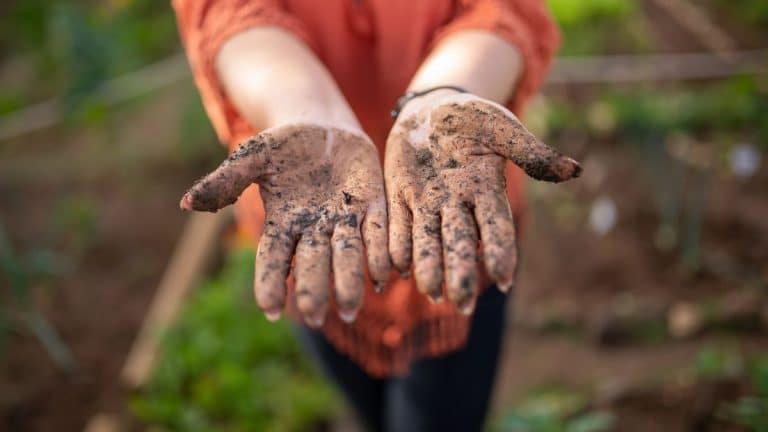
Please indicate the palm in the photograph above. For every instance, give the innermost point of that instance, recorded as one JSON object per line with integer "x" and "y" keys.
{"x": 323, "y": 196}
{"x": 446, "y": 188}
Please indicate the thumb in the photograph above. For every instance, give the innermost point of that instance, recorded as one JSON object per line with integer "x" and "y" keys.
{"x": 224, "y": 185}
{"x": 538, "y": 160}
{"x": 500, "y": 131}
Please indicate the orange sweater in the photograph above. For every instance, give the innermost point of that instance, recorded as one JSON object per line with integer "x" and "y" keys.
{"x": 372, "y": 48}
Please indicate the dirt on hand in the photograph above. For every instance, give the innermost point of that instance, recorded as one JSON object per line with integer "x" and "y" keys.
{"x": 324, "y": 200}
{"x": 446, "y": 191}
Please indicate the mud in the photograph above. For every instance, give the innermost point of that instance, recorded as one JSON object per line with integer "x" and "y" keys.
{"x": 446, "y": 189}
{"x": 323, "y": 197}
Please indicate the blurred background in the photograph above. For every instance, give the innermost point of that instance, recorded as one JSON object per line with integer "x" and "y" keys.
{"x": 642, "y": 303}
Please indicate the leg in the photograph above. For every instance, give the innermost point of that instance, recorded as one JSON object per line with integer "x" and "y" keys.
{"x": 365, "y": 394}
{"x": 452, "y": 392}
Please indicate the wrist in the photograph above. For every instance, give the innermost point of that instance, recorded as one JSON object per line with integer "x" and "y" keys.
{"x": 309, "y": 110}
{"x": 416, "y": 99}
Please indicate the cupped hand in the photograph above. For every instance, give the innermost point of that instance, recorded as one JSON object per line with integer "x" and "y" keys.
{"x": 324, "y": 200}
{"x": 446, "y": 190}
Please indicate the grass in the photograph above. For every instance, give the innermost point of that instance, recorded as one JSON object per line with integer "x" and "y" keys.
{"x": 226, "y": 368}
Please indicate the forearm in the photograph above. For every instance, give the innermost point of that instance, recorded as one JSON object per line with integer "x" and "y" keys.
{"x": 479, "y": 61}
{"x": 273, "y": 79}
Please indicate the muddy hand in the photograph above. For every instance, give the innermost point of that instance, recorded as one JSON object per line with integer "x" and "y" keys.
{"x": 446, "y": 190}
{"x": 324, "y": 201}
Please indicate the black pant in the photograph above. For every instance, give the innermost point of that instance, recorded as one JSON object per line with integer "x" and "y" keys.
{"x": 447, "y": 393}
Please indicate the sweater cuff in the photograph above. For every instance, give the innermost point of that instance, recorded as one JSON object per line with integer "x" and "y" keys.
{"x": 526, "y": 25}
{"x": 205, "y": 26}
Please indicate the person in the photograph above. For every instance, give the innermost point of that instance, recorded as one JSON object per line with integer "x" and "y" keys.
{"x": 365, "y": 252}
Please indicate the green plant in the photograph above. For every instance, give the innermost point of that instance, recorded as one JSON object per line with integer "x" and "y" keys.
{"x": 752, "y": 12}
{"x": 226, "y": 368}
{"x": 21, "y": 273}
{"x": 77, "y": 219}
{"x": 748, "y": 412}
{"x": 68, "y": 49}
{"x": 599, "y": 26}
{"x": 554, "y": 409}
{"x": 751, "y": 411}
{"x": 681, "y": 137}
{"x": 571, "y": 12}
{"x": 713, "y": 363}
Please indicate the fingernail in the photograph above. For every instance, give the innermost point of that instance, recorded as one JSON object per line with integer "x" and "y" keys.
{"x": 273, "y": 315}
{"x": 576, "y": 168}
{"x": 506, "y": 286}
{"x": 348, "y": 316}
{"x": 378, "y": 287}
{"x": 315, "y": 321}
{"x": 435, "y": 298}
{"x": 186, "y": 202}
{"x": 468, "y": 307}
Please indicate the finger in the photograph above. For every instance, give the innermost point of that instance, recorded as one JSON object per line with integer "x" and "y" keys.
{"x": 460, "y": 251}
{"x": 497, "y": 233}
{"x": 375, "y": 237}
{"x": 400, "y": 242}
{"x": 538, "y": 160}
{"x": 427, "y": 254}
{"x": 273, "y": 260}
{"x": 312, "y": 274}
{"x": 348, "y": 267}
{"x": 224, "y": 185}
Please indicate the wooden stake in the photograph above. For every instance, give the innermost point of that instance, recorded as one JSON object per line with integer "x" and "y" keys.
{"x": 188, "y": 262}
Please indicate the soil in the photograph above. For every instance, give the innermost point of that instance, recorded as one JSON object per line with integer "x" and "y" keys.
{"x": 131, "y": 185}
{"x": 575, "y": 290}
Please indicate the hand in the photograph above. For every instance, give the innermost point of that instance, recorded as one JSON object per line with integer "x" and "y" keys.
{"x": 444, "y": 167}
{"x": 321, "y": 187}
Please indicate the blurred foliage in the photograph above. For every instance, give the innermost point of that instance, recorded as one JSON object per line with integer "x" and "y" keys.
{"x": 738, "y": 106}
{"x": 719, "y": 362}
{"x": 195, "y": 132}
{"x": 751, "y": 12}
{"x": 574, "y": 12}
{"x": 226, "y": 368}
{"x": 70, "y": 47}
{"x": 749, "y": 411}
{"x": 22, "y": 273}
{"x": 682, "y": 137}
{"x": 585, "y": 25}
{"x": 77, "y": 218}
{"x": 554, "y": 409}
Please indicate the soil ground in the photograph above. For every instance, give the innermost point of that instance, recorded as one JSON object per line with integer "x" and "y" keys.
{"x": 132, "y": 186}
